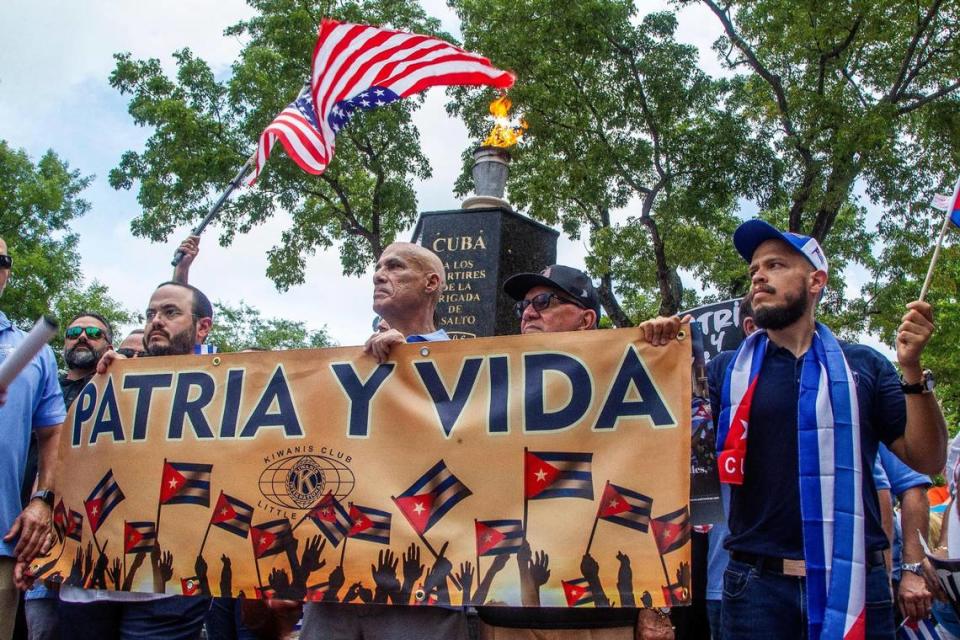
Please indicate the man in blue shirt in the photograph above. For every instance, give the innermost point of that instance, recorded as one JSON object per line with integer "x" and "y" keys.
{"x": 32, "y": 403}
{"x": 765, "y": 587}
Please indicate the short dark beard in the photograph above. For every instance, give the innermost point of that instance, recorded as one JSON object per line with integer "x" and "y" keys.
{"x": 82, "y": 361}
{"x": 180, "y": 344}
{"x": 776, "y": 318}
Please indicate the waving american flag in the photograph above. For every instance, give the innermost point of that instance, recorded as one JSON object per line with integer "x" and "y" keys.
{"x": 359, "y": 67}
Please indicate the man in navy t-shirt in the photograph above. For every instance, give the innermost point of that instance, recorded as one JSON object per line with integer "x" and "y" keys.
{"x": 765, "y": 589}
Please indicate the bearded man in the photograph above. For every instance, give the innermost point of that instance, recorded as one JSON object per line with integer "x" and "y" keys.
{"x": 87, "y": 337}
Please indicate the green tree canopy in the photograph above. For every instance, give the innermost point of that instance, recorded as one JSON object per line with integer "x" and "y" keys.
{"x": 243, "y": 327}
{"x": 204, "y": 128}
{"x": 39, "y": 203}
{"x": 620, "y": 116}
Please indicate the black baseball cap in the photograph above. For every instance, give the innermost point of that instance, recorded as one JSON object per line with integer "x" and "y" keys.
{"x": 573, "y": 282}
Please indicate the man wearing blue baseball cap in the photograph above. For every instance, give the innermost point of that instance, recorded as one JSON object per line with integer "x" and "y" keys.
{"x": 805, "y": 542}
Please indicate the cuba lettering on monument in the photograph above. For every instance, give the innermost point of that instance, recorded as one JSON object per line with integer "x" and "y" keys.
{"x": 299, "y": 473}
{"x": 466, "y": 263}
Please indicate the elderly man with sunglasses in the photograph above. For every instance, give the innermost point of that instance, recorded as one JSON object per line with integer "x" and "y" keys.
{"x": 561, "y": 298}
{"x": 32, "y": 404}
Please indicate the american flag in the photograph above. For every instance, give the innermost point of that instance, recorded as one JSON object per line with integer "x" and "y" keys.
{"x": 360, "y": 67}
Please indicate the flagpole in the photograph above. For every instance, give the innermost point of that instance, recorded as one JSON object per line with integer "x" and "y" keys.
{"x": 666, "y": 574}
{"x": 95, "y": 542}
{"x": 343, "y": 551}
{"x": 124, "y": 553}
{"x": 478, "y": 552}
{"x": 215, "y": 209}
{"x": 300, "y": 521}
{"x": 159, "y": 503}
{"x": 204, "y": 543}
{"x": 256, "y": 561}
{"x": 596, "y": 519}
{"x": 936, "y": 254}
{"x": 525, "y": 502}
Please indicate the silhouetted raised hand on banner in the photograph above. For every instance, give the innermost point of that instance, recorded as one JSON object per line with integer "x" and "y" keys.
{"x": 591, "y": 571}
{"x": 357, "y": 590}
{"x": 412, "y": 570}
{"x": 683, "y": 579}
{"x": 436, "y": 579}
{"x": 132, "y": 570}
{"x": 496, "y": 566}
{"x": 75, "y": 579}
{"x": 465, "y": 580}
{"x": 334, "y": 584}
{"x": 533, "y": 574}
{"x": 279, "y": 581}
{"x": 200, "y": 567}
{"x": 385, "y": 577}
{"x": 646, "y": 600}
{"x": 625, "y": 581}
{"x": 114, "y": 574}
{"x": 162, "y": 563}
{"x": 99, "y": 580}
{"x": 310, "y": 559}
{"x": 226, "y": 577}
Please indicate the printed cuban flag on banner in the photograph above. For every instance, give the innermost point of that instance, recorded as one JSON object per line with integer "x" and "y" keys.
{"x": 557, "y": 474}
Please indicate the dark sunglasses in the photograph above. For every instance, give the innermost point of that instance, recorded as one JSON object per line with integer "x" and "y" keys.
{"x": 93, "y": 333}
{"x": 5, "y": 261}
{"x": 541, "y": 302}
{"x": 127, "y": 352}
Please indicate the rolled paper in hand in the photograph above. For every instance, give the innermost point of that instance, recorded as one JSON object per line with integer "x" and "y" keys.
{"x": 42, "y": 332}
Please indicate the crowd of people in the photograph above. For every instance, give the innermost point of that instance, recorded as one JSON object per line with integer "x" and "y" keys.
{"x": 836, "y": 434}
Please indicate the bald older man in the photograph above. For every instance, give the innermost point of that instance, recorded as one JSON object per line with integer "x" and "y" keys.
{"x": 33, "y": 404}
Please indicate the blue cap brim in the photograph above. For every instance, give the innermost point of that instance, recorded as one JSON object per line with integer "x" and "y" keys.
{"x": 752, "y": 233}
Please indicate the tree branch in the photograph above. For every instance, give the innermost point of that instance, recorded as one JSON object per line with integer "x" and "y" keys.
{"x": 922, "y": 100}
{"x": 901, "y": 81}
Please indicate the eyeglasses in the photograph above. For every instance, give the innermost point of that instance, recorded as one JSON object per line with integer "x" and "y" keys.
{"x": 541, "y": 302}
{"x": 166, "y": 313}
{"x": 93, "y": 333}
{"x": 127, "y": 352}
{"x": 5, "y": 261}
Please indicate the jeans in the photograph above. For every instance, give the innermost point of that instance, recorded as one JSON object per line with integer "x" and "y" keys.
{"x": 713, "y": 614}
{"x": 223, "y": 621}
{"x": 174, "y": 618}
{"x": 763, "y": 605}
{"x": 42, "y": 618}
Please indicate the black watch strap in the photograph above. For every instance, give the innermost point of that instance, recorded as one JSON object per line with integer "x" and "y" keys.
{"x": 43, "y": 494}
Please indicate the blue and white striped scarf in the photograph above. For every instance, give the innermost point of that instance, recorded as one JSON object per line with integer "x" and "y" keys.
{"x": 831, "y": 494}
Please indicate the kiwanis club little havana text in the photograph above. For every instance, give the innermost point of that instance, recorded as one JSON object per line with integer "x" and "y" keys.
{"x": 185, "y": 398}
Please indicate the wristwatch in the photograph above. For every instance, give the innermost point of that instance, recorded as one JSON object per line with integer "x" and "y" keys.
{"x": 43, "y": 494}
{"x": 912, "y": 567}
{"x": 926, "y": 384}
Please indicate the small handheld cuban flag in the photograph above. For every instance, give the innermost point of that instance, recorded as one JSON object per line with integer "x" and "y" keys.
{"x": 672, "y": 531}
{"x": 60, "y": 518}
{"x": 74, "y": 525}
{"x": 204, "y": 349}
{"x": 557, "y": 474}
{"x": 627, "y": 508}
{"x": 331, "y": 518}
{"x": 497, "y": 537}
{"x": 139, "y": 537}
{"x": 185, "y": 483}
{"x": 431, "y": 497}
{"x": 913, "y": 629}
{"x": 102, "y": 500}
{"x": 372, "y": 525}
{"x": 269, "y": 538}
{"x": 190, "y": 586}
{"x": 577, "y": 592}
{"x": 233, "y": 515}
{"x": 953, "y": 208}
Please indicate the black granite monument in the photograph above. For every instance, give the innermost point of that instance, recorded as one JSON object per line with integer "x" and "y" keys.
{"x": 481, "y": 245}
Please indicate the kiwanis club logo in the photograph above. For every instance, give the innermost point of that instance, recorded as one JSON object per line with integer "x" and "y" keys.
{"x": 298, "y": 481}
